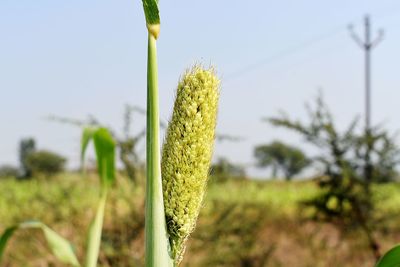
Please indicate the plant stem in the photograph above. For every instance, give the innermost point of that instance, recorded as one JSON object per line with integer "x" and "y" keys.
{"x": 94, "y": 235}
{"x": 157, "y": 243}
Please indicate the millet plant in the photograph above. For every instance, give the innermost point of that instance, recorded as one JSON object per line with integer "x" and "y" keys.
{"x": 176, "y": 184}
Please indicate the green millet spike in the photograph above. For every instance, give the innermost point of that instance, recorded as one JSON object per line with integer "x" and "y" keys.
{"x": 187, "y": 152}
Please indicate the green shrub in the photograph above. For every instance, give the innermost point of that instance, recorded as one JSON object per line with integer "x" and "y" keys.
{"x": 8, "y": 171}
{"x": 45, "y": 162}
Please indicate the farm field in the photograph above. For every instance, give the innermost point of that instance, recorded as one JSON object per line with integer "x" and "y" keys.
{"x": 243, "y": 223}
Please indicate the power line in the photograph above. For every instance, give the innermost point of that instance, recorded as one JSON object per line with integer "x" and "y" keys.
{"x": 283, "y": 54}
{"x": 293, "y": 50}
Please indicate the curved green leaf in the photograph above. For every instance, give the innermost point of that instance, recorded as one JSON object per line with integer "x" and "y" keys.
{"x": 4, "y": 239}
{"x": 391, "y": 258}
{"x": 151, "y": 12}
{"x": 87, "y": 135}
{"x": 104, "y": 145}
{"x": 105, "y": 151}
{"x": 59, "y": 246}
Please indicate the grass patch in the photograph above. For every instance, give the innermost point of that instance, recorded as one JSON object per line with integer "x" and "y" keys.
{"x": 262, "y": 216}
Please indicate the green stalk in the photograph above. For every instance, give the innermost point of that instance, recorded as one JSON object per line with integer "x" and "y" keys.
{"x": 157, "y": 242}
{"x": 104, "y": 145}
{"x": 94, "y": 235}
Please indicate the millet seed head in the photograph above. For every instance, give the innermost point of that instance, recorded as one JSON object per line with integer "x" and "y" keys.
{"x": 187, "y": 153}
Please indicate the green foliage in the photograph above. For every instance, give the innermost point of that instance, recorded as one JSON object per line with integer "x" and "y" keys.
{"x": 45, "y": 162}
{"x": 383, "y": 152}
{"x": 151, "y": 12}
{"x": 105, "y": 153}
{"x": 391, "y": 258}
{"x": 60, "y": 247}
{"x": 336, "y": 157}
{"x": 8, "y": 171}
{"x": 290, "y": 160}
{"x": 26, "y": 147}
{"x": 7, "y": 234}
{"x": 347, "y": 160}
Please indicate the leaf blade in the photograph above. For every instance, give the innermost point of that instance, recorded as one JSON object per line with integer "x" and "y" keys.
{"x": 104, "y": 145}
{"x": 105, "y": 152}
{"x": 59, "y": 246}
{"x": 7, "y": 234}
{"x": 391, "y": 258}
{"x": 151, "y": 12}
{"x": 152, "y": 16}
{"x": 87, "y": 135}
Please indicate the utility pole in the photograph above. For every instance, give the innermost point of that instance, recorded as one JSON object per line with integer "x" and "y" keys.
{"x": 367, "y": 45}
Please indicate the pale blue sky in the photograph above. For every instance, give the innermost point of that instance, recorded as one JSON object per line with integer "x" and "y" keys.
{"x": 74, "y": 58}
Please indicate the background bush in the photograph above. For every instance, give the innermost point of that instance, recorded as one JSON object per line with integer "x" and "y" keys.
{"x": 8, "y": 171}
{"x": 45, "y": 162}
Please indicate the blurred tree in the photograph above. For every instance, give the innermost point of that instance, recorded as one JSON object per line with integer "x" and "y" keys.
{"x": 26, "y": 147}
{"x": 346, "y": 198}
{"x": 279, "y": 156}
{"x": 7, "y": 171}
{"x": 222, "y": 170}
{"x": 45, "y": 162}
{"x": 383, "y": 155}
